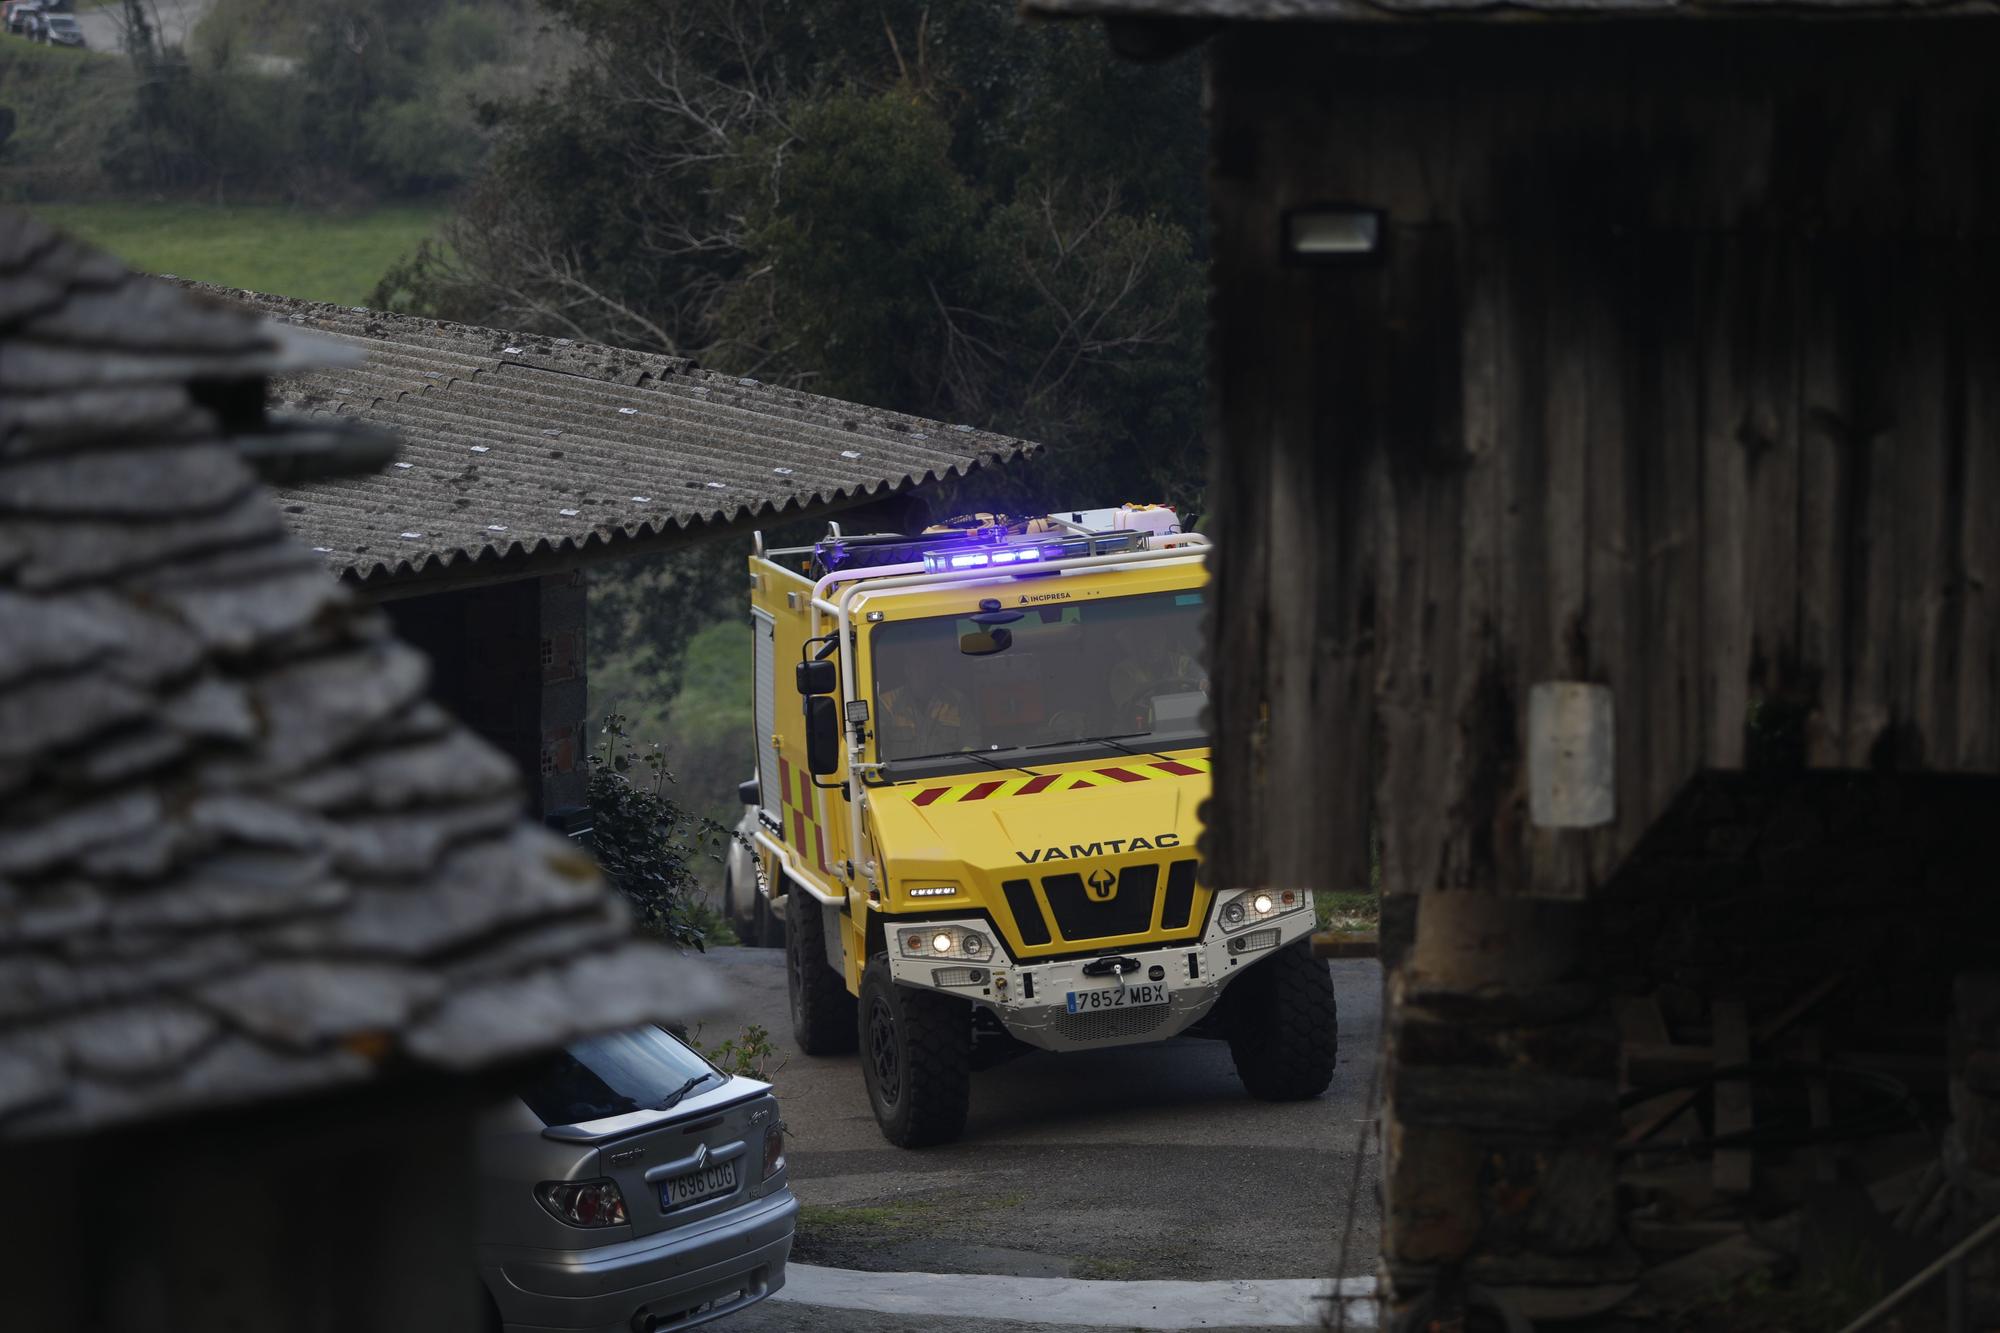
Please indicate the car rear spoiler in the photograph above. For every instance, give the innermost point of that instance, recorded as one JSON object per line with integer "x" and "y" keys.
{"x": 733, "y": 1093}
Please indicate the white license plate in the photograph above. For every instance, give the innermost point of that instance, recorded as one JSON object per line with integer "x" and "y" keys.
{"x": 697, "y": 1185}
{"x": 1128, "y": 996}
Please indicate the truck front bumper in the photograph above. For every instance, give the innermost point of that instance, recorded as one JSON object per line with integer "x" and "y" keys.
{"x": 1032, "y": 999}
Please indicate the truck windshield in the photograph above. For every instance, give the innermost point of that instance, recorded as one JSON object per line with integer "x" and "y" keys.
{"x": 1065, "y": 673}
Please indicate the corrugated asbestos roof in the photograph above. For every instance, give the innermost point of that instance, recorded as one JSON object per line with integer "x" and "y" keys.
{"x": 519, "y": 446}
{"x": 242, "y": 857}
{"x": 1377, "y": 11}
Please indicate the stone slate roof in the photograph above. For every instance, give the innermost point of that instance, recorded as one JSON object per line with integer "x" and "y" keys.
{"x": 522, "y": 449}
{"x": 241, "y": 856}
{"x": 1376, "y": 11}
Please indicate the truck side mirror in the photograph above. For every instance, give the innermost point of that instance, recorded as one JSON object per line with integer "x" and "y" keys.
{"x": 816, "y": 678}
{"x": 822, "y": 734}
{"x": 747, "y": 793}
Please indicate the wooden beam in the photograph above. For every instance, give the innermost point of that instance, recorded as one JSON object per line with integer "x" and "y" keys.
{"x": 1769, "y": 1029}
{"x": 1735, "y": 1112}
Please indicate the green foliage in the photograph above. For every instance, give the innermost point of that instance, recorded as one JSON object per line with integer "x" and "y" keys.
{"x": 645, "y": 610}
{"x": 868, "y": 187}
{"x": 320, "y": 100}
{"x": 747, "y": 1055}
{"x": 921, "y": 204}
{"x": 466, "y": 37}
{"x": 703, "y": 702}
{"x": 645, "y": 843}
{"x": 66, "y": 104}
{"x": 211, "y": 131}
{"x": 1334, "y": 910}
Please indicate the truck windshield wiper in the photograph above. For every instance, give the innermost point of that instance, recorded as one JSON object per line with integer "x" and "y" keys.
{"x": 1112, "y": 741}
{"x": 1090, "y": 740}
{"x": 974, "y": 755}
{"x": 684, "y": 1089}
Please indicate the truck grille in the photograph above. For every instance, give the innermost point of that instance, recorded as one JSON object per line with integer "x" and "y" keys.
{"x": 1081, "y": 915}
{"x": 1027, "y": 912}
{"x": 1111, "y": 1024}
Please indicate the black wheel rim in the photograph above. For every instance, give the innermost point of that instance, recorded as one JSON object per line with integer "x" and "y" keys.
{"x": 882, "y": 1052}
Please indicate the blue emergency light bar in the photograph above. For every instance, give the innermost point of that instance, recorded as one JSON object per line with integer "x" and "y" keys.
{"x": 951, "y": 561}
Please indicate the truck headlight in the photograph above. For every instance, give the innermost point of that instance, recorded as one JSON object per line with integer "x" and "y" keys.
{"x": 930, "y": 941}
{"x": 1253, "y": 906}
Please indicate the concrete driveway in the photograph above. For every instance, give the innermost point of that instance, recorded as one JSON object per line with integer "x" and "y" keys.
{"x": 1140, "y": 1163}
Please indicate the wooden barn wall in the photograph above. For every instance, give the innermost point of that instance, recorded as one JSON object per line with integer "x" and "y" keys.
{"x": 1678, "y": 374}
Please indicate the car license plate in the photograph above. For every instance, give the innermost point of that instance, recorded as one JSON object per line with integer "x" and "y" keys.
{"x": 698, "y": 1185}
{"x": 1118, "y": 997}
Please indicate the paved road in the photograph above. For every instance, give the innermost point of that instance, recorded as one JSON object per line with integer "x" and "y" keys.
{"x": 1137, "y": 1163}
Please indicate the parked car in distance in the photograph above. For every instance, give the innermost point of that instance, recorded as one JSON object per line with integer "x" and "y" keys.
{"x": 24, "y": 17}
{"x": 61, "y": 30}
{"x": 632, "y": 1186}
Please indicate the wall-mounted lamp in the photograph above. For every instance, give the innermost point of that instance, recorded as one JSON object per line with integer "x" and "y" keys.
{"x": 1333, "y": 234}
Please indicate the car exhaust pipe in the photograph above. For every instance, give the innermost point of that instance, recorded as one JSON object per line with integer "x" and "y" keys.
{"x": 645, "y": 1322}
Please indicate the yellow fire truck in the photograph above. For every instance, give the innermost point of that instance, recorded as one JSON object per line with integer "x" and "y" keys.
{"x": 978, "y": 821}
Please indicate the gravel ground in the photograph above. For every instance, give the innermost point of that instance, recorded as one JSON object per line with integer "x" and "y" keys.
{"x": 1142, "y": 1162}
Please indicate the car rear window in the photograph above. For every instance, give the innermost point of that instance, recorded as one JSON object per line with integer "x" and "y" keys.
{"x": 614, "y": 1075}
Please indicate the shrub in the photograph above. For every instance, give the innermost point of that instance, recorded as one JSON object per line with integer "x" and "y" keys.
{"x": 646, "y": 844}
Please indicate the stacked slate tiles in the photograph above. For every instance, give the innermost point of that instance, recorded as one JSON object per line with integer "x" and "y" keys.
{"x": 241, "y": 856}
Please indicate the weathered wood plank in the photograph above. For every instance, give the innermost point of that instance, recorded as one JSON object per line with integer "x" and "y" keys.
{"x": 1560, "y": 648}
{"x": 1668, "y": 365}
{"x": 1292, "y": 626}
{"x": 1664, "y": 432}
{"x": 1930, "y": 418}
{"x": 1423, "y": 583}
{"x": 1724, "y": 511}
{"x": 1733, "y": 1109}
{"x": 1974, "y": 740}
{"x": 1823, "y": 483}
{"x": 1615, "y": 538}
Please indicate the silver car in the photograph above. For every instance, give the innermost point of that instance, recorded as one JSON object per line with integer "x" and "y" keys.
{"x": 632, "y": 1186}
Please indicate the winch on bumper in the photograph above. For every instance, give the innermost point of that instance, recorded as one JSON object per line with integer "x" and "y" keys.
{"x": 1032, "y": 999}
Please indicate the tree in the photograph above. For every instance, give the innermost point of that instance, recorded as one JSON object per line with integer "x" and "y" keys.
{"x": 645, "y": 843}
{"x": 929, "y": 207}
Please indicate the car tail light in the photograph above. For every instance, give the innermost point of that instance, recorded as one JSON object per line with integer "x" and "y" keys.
{"x": 584, "y": 1203}
{"x": 774, "y": 1150}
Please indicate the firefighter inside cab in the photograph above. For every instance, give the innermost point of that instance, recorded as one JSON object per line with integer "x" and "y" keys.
{"x": 981, "y": 759}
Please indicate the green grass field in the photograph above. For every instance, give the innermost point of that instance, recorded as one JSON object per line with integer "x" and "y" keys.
{"x": 266, "y": 248}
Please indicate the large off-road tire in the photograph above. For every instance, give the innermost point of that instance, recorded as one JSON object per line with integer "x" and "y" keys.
{"x": 916, "y": 1058}
{"x": 1283, "y": 1029}
{"x": 739, "y": 905}
{"x": 749, "y": 912}
{"x": 766, "y": 926}
{"x": 822, "y": 1010}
